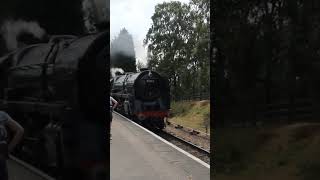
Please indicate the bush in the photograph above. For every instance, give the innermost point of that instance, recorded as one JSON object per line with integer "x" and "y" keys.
{"x": 232, "y": 153}
{"x": 206, "y": 122}
{"x": 309, "y": 170}
{"x": 230, "y": 160}
{"x": 179, "y": 108}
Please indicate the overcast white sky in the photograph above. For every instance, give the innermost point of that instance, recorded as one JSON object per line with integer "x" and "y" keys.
{"x": 135, "y": 16}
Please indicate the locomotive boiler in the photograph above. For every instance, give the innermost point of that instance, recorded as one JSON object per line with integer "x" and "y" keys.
{"x": 143, "y": 96}
{"x": 56, "y": 91}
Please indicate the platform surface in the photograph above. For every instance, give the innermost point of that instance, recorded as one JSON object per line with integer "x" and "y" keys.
{"x": 138, "y": 155}
{"x": 18, "y": 172}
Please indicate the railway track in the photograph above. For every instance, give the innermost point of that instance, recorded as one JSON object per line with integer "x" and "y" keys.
{"x": 191, "y": 148}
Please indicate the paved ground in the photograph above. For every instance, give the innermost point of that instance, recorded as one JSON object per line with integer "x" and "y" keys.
{"x": 19, "y": 172}
{"x": 137, "y": 155}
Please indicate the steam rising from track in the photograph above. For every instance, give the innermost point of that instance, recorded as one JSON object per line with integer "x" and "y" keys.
{"x": 10, "y": 31}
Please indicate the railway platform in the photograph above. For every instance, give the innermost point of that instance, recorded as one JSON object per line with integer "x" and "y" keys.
{"x": 138, "y": 154}
{"x": 19, "y": 170}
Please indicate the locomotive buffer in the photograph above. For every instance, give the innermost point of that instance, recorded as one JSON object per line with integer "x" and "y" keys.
{"x": 136, "y": 153}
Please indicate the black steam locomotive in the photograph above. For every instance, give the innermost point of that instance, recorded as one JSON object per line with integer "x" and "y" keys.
{"x": 56, "y": 91}
{"x": 143, "y": 96}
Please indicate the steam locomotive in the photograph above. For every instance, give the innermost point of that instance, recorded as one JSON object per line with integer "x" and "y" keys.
{"x": 56, "y": 91}
{"x": 143, "y": 96}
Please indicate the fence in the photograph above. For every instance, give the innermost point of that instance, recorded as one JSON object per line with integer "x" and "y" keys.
{"x": 192, "y": 97}
{"x": 301, "y": 109}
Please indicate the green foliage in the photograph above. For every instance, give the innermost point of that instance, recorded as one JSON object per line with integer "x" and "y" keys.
{"x": 179, "y": 109}
{"x": 192, "y": 114}
{"x": 122, "y": 52}
{"x": 272, "y": 41}
{"x": 206, "y": 121}
{"x": 271, "y": 152}
{"x": 309, "y": 169}
{"x": 232, "y": 153}
{"x": 178, "y": 45}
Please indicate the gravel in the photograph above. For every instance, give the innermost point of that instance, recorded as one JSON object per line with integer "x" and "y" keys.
{"x": 200, "y": 140}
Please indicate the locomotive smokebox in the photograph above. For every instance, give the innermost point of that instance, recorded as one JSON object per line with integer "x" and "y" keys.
{"x": 143, "y": 69}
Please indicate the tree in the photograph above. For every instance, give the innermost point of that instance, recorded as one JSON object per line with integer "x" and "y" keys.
{"x": 272, "y": 42}
{"x": 178, "y": 45}
{"x": 245, "y": 46}
{"x": 200, "y": 36}
{"x": 122, "y": 52}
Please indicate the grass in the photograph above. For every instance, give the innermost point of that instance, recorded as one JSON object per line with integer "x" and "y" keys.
{"x": 192, "y": 114}
{"x": 275, "y": 152}
{"x": 233, "y": 147}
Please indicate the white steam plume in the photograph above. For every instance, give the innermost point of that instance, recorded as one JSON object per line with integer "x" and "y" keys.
{"x": 114, "y": 70}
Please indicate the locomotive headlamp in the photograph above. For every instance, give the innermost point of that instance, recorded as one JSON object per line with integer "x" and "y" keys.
{"x": 141, "y": 116}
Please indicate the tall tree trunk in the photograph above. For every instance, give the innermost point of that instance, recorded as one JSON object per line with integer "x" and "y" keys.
{"x": 291, "y": 77}
{"x": 218, "y": 104}
{"x": 291, "y": 90}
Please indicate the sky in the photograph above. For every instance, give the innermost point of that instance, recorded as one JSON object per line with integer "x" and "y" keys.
{"x": 135, "y": 16}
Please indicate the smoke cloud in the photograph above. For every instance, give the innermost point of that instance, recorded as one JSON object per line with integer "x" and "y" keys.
{"x": 114, "y": 70}
{"x": 61, "y": 17}
{"x": 10, "y": 31}
{"x": 88, "y": 16}
{"x": 123, "y": 44}
{"x": 94, "y": 11}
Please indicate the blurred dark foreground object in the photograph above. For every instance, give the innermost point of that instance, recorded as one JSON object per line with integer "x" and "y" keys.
{"x": 56, "y": 91}
{"x": 85, "y": 149}
{"x": 4, "y": 153}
